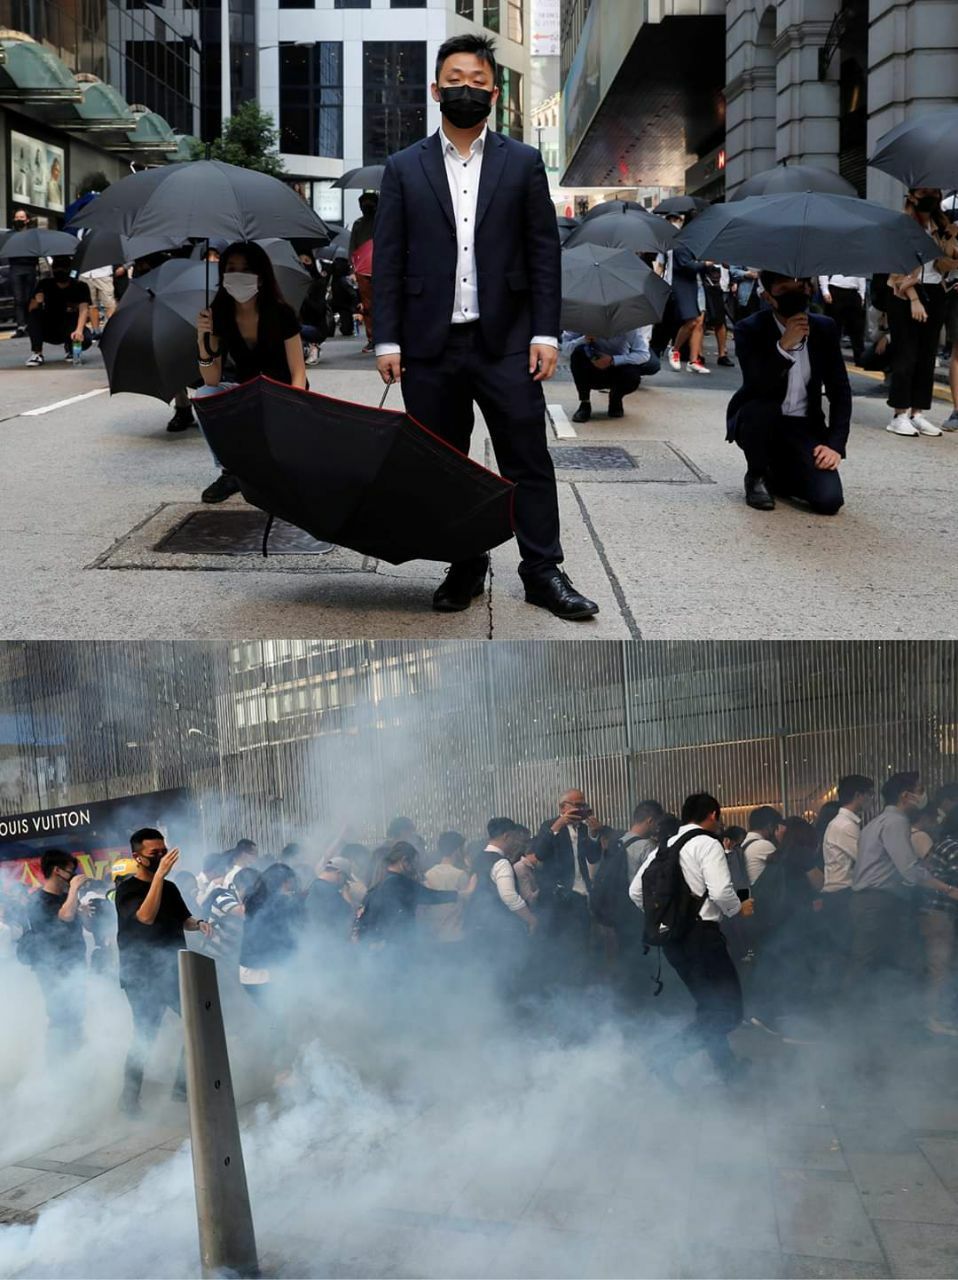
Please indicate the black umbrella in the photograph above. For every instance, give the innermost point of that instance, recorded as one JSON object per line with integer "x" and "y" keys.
{"x": 110, "y": 248}
{"x": 809, "y": 234}
{"x": 681, "y": 204}
{"x": 149, "y": 343}
{"x": 793, "y": 177}
{"x": 38, "y": 242}
{"x": 367, "y": 178}
{"x": 566, "y": 227}
{"x": 609, "y": 291}
{"x": 922, "y": 152}
{"x": 370, "y": 479}
{"x": 339, "y": 241}
{"x": 640, "y": 232}
{"x": 613, "y": 206}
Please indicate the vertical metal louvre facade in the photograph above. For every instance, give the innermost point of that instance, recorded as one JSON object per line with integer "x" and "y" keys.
{"x": 292, "y": 739}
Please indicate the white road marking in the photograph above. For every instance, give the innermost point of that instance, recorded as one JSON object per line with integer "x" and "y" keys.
{"x": 62, "y": 404}
{"x": 560, "y": 423}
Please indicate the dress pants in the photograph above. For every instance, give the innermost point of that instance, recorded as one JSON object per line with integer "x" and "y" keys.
{"x": 149, "y": 999}
{"x": 440, "y": 394}
{"x": 23, "y": 286}
{"x": 619, "y": 379}
{"x": 702, "y": 961}
{"x": 848, "y": 311}
{"x": 914, "y": 346}
{"x": 780, "y": 450}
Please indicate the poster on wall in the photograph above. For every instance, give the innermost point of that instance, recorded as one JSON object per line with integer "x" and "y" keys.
{"x": 545, "y": 29}
{"x": 37, "y": 172}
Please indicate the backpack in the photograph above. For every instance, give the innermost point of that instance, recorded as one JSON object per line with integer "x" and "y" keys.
{"x": 29, "y": 947}
{"x": 609, "y": 898}
{"x": 669, "y": 905}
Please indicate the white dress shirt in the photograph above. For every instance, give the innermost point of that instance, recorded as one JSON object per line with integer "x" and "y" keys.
{"x": 842, "y": 282}
{"x": 840, "y": 850}
{"x": 757, "y": 851}
{"x": 795, "y": 404}
{"x": 463, "y": 176}
{"x": 578, "y": 883}
{"x": 705, "y": 868}
{"x": 504, "y": 878}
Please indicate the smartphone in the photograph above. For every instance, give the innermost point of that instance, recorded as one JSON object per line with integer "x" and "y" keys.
{"x": 743, "y": 894}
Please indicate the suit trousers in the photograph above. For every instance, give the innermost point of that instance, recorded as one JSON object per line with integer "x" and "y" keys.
{"x": 780, "y": 449}
{"x": 914, "y": 346}
{"x": 620, "y": 379}
{"x": 702, "y": 961}
{"x": 440, "y": 394}
{"x": 848, "y": 311}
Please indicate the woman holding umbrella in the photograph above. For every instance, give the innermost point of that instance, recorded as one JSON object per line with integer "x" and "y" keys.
{"x": 916, "y": 312}
{"x": 251, "y": 327}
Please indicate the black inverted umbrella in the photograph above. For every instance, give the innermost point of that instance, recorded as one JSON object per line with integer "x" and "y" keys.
{"x": 370, "y": 479}
{"x": 922, "y": 152}
{"x": 793, "y": 177}
{"x": 609, "y": 291}
{"x": 681, "y": 204}
{"x": 640, "y": 232}
{"x": 809, "y": 234}
{"x": 149, "y": 343}
{"x": 367, "y": 178}
{"x": 38, "y": 242}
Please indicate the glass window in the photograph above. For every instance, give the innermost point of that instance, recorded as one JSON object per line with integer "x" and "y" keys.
{"x": 351, "y": 4}
{"x": 509, "y": 107}
{"x": 297, "y": 4}
{"x": 394, "y": 97}
{"x": 311, "y": 99}
{"x": 408, "y": 4}
{"x": 514, "y": 21}
{"x": 466, "y": 9}
{"x": 490, "y": 14}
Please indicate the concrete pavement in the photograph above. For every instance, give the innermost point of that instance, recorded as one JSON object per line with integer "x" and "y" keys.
{"x": 656, "y": 531}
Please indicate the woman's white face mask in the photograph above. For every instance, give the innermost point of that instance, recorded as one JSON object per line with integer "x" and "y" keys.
{"x": 241, "y": 285}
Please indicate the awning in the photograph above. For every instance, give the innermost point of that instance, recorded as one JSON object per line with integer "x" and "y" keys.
{"x": 151, "y": 133}
{"x": 101, "y": 109}
{"x": 30, "y": 73}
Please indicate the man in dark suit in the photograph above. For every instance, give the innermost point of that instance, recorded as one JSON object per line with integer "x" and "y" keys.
{"x": 776, "y": 417}
{"x": 568, "y": 848}
{"x": 467, "y": 292}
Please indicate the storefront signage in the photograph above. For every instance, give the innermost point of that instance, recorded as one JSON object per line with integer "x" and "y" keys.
{"x": 37, "y": 172}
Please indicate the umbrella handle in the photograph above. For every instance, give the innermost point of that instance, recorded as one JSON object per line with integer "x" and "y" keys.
{"x": 385, "y": 394}
{"x": 266, "y": 532}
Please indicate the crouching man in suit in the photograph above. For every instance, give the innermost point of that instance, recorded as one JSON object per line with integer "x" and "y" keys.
{"x": 776, "y": 417}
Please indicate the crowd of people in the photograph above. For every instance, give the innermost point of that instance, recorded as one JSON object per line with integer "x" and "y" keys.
{"x": 784, "y": 919}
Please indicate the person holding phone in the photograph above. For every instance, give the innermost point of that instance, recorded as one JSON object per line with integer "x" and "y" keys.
{"x": 569, "y": 850}
{"x": 151, "y": 919}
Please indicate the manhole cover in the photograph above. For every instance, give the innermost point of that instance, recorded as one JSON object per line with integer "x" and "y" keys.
{"x": 238, "y": 533}
{"x": 592, "y": 457}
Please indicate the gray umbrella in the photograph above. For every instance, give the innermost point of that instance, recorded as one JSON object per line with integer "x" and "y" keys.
{"x": 809, "y": 234}
{"x": 110, "y": 248}
{"x": 922, "y": 152}
{"x": 640, "y": 232}
{"x": 367, "y": 178}
{"x": 682, "y": 204}
{"x": 609, "y": 291}
{"x": 793, "y": 177}
{"x": 38, "y": 242}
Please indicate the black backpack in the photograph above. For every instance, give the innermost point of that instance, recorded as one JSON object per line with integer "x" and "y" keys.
{"x": 609, "y": 897}
{"x": 669, "y": 905}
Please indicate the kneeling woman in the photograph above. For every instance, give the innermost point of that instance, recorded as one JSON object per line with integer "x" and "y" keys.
{"x": 250, "y": 330}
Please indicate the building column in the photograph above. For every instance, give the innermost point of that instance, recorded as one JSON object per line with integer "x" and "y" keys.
{"x": 912, "y": 68}
{"x": 808, "y": 108}
{"x": 749, "y": 91}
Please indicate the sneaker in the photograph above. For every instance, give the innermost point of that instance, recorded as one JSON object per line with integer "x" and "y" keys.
{"x": 368, "y": 350}
{"x": 726, "y": 362}
{"x": 767, "y": 1025}
{"x": 312, "y": 356}
{"x": 697, "y": 366}
{"x": 901, "y": 425}
{"x": 675, "y": 359}
{"x": 68, "y": 357}
{"x": 951, "y": 422}
{"x": 941, "y": 1028}
{"x": 223, "y": 487}
{"x": 925, "y": 428}
{"x": 35, "y": 360}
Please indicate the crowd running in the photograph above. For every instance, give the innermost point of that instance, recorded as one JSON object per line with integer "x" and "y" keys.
{"x": 783, "y": 918}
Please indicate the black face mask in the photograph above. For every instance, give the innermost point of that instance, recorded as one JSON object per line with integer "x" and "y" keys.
{"x": 927, "y": 204}
{"x": 465, "y": 107}
{"x": 61, "y": 277}
{"x": 792, "y": 303}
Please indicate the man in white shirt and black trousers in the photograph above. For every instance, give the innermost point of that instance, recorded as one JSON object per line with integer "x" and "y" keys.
{"x": 776, "y": 418}
{"x": 701, "y": 957}
{"x": 466, "y": 301}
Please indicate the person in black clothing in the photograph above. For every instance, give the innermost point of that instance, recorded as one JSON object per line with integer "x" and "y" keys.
{"x": 151, "y": 918}
{"x": 59, "y": 314}
{"x": 343, "y": 294}
{"x": 330, "y": 915}
{"x": 569, "y": 851}
{"x": 314, "y": 309}
{"x": 274, "y": 916}
{"x": 250, "y": 327}
{"x": 23, "y": 277}
{"x": 388, "y": 913}
{"x": 59, "y": 952}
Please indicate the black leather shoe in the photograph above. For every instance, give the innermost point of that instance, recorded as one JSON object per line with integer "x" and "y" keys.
{"x": 463, "y": 583}
{"x": 182, "y": 420}
{"x": 583, "y": 413}
{"x": 757, "y": 494}
{"x": 554, "y": 591}
{"x": 223, "y": 487}
{"x": 615, "y": 407}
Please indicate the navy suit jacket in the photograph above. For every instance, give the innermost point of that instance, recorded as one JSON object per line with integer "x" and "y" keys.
{"x": 558, "y": 860}
{"x": 765, "y": 375}
{"x": 516, "y": 250}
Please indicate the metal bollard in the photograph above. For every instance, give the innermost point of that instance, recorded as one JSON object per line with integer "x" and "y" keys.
{"x": 227, "y": 1240}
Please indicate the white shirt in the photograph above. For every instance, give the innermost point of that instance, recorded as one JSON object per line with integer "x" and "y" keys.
{"x": 795, "y": 404}
{"x": 464, "y": 177}
{"x": 757, "y": 853}
{"x": 445, "y": 920}
{"x": 98, "y": 273}
{"x": 705, "y": 869}
{"x": 842, "y": 282}
{"x": 840, "y": 850}
{"x": 578, "y": 883}
{"x": 504, "y": 878}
